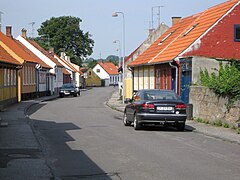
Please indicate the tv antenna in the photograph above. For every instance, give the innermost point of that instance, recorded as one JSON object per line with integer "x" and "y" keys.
{"x": 32, "y": 23}
{"x": 1, "y": 20}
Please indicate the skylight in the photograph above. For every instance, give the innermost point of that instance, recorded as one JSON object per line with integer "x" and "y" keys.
{"x": 164, "y": 39}
{"x": 188, "y": 31}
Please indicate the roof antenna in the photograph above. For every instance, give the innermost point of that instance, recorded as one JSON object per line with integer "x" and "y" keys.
{"x": 32, "y": 23}
{"x": 1, "y": 20}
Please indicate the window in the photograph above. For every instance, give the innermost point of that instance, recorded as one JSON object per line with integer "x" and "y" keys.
{"x": 98, "y": 70}
{"x": 188, "y": 31}
{"x": 237, "y": 32}
{"x": 164, "y": 39}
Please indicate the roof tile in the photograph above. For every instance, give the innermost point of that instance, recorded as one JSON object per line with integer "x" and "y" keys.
{"x": 176, "y": 43}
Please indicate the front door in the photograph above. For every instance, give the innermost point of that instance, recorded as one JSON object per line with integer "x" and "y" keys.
{"x": 186, "y": 78}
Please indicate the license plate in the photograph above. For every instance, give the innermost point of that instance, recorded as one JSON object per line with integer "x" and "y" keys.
{"x": 164, "y": 108}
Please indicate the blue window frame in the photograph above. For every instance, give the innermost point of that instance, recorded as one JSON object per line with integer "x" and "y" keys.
{"x": 237, "y": 32}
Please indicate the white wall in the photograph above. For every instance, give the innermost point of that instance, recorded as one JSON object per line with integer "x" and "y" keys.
{"x": 102, "y": 74}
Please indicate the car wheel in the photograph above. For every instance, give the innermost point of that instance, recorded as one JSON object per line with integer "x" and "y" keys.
{"x": 180, "y": 126}
{"x": 75, "y": 94}
{"x": 125, "y": 121}
{"x": 61, "y": 96}
{"x": 136, "y": 124}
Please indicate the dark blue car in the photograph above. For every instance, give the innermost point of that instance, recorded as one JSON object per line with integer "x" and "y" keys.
{"x": 155, "y": 107}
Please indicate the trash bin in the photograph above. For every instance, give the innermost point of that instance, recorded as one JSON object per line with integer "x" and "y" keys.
{"x": 189, "y": 111}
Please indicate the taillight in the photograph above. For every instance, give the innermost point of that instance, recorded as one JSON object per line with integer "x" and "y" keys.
{"x": 148, "y": 106}
{"x": 181, "y": 106}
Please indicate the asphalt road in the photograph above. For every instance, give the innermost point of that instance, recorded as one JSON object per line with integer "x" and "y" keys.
{"x": 82, "y": 138}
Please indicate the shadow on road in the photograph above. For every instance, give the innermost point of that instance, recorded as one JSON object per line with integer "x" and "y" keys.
{"x": 66, "y": 163}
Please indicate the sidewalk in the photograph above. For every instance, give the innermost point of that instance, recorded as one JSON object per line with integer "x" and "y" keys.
{"x": 209, "y": 130}
{"x": 20, "y": 152}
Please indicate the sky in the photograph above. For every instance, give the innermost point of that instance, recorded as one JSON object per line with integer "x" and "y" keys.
{"x": 96, "y": 16}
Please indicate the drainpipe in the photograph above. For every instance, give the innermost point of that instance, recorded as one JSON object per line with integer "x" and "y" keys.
{"x": 176, "y": 80}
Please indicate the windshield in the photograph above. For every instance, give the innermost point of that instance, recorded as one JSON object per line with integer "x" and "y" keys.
{"x": 67, "y": 86}
{"x": 160, "y": 95}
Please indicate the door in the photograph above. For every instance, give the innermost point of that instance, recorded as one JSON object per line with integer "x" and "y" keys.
{"x": 186, "y": 79}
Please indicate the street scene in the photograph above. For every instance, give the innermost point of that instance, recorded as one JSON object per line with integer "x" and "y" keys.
{"x": 125, "y": 90}
{"x": 89, "y": 141}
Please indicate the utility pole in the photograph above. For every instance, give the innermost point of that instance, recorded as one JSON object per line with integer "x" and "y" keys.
{"x": 32, "y": 23}
{"x": 1, "y": 20}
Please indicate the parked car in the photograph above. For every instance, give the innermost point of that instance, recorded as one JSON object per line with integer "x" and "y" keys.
{"x": 155, "y": 107}
{"x": 69, "y": 89}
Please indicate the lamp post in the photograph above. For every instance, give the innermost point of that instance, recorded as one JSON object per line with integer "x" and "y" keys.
{"x": 115, "y": 14}
{"x": 119, "y": 61}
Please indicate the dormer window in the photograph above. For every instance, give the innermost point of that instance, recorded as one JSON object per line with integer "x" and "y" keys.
{"x": 164, "y": 39}
{"x": 237, "y": 32}
{"x": 188, "y": 31}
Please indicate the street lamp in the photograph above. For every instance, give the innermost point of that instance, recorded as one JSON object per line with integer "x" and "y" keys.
{"x": 115, "y": 14}
{"x": 119, "y": 61}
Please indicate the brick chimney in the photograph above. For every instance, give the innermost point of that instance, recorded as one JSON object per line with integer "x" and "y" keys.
{"x": 24, "y": 33}
{"x": 9, "y": 31}
{"x": 175, "y": 20}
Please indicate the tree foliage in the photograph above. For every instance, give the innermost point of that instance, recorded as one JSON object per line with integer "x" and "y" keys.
{"x": 64, "y": 35}
{"x": 226, "y": 82}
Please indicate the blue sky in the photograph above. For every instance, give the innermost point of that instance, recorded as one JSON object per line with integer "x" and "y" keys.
{"x": 97, "y": 18}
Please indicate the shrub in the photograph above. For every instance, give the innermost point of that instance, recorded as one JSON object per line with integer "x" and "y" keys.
{"x": 225, "y": 82}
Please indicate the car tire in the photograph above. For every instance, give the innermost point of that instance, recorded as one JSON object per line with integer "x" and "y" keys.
{"x": 180, "y": 126}
{"x": 75, "y": 94}
{"x": 136, "y": 124}
{"x": 125, "y": 121}
{"x": 61, "y": 96}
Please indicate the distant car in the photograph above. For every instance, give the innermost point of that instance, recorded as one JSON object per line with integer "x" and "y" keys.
{"x": 69, "y": 89}
{"x": 155, "y": 107}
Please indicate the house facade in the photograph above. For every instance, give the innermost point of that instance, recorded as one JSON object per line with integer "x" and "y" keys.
{"x": 92, "y": 79}
{"x": 27, "y": 83}
{"x": 54, "y": 78}
{"x": 9, "y": 75}
{"x": 193, "y": 43}
{"x": 107, "y": 72}
{"x": 128, "y": 74}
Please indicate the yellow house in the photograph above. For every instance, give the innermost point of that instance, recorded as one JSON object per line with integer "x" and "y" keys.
{"x": 9, "y": 76}
{"x": 92, "y": 78}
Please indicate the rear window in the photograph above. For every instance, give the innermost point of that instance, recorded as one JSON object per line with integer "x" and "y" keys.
{"x": 160, "y": 95}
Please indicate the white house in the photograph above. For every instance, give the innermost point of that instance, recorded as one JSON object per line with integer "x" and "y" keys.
{"x": 55, "y": 78}
{"x": 107, "y": 72}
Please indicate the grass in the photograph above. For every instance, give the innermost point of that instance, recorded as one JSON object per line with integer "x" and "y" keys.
{"x": 218, "y": 123}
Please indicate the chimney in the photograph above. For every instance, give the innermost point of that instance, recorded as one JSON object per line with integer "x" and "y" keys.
{"x": 175, "y": 20}
{"x": 9, "y": 31}
{"x": 51, "y": 50}
{"x": 24, "y": 33}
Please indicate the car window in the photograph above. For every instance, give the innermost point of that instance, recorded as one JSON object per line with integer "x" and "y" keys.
{"x": 160, "y": 95}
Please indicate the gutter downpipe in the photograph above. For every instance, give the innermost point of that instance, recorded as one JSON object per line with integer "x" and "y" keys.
{"x": 176, "y": 80}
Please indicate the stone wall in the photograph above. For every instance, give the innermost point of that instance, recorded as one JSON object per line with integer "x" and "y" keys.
{"x": 209, "y": 106}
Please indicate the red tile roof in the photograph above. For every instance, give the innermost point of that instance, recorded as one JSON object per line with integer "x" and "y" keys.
{"x": 65, "y": 71}
{"x": 46, "y": 53}
{"x": 182, "y": 35}
{"x": 7, "y": 58}
{"x": 43, "y": 64}
{"x": 109, "y": 67}
{"x": 17, "y": 49}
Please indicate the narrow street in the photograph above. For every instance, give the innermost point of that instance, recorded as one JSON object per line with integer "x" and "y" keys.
{"x": 82, "y": 138}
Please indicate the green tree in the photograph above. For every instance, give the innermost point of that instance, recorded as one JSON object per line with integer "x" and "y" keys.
{"x": 92, "y": 63}
{"x": 64, "y": 35}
